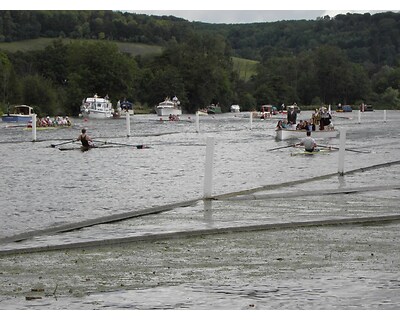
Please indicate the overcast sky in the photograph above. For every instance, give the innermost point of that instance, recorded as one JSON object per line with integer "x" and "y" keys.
{"x": 247, "y": 16}
{"x": 214, "y": 11}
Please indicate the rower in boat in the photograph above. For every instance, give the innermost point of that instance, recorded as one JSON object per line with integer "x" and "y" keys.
{"x": 86, "y": 141}
{"x": 309, "y": 143}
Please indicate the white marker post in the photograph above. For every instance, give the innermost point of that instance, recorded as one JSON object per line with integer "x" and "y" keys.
{"x": 342, "y": 149}
{"x": 359, "y": 116}
{"x": 251, "y": 120}
{"x": 208, "y": 176}
{"x": 197, "y": 122}
{"x": 34, "y": 127}
{"x": 384, "y": 116}
{"x": 128, "y": 124}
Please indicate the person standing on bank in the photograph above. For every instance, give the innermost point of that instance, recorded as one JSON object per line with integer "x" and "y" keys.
{"x": 86, "y": 141}
{"x": 291, "y": 116}
{"x": 309, "y": 143}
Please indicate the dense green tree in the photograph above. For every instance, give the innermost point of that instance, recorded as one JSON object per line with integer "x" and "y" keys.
{"x": 201, "y": 71}
{"x": 5, "y": 72}
{"x": 99, "y": 67}
{"x": 277, "y": 81}
{"x": 391, "y": 98}
{"x": 39, "y": 93}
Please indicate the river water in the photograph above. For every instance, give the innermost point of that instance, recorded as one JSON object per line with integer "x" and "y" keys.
{"x": 43, "y": 187}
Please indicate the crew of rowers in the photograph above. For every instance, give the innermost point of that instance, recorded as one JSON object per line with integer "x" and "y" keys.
{"x": 55, "y": 122}
{"x": 321, "y": 118}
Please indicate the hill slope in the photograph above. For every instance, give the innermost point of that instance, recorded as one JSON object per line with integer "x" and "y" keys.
{"x": 41, "y": 43}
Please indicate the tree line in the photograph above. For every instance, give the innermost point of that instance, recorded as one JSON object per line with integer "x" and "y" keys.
{"x": 326, "y": 61}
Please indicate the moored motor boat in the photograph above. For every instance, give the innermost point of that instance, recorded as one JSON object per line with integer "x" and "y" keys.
{"x": 20, "y": 113}
{"x": 213, "y": 109}
{"x": 169, "y": 107}
{"x": 235, "y": 108}
{"x": 96, "y": 107}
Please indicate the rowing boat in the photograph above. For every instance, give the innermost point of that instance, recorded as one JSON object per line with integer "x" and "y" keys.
{"x": 83, "y": 149}
{"x": 110, "y": 145}
{"x": 310, "y": 153}
{"x": 43, "y": 128}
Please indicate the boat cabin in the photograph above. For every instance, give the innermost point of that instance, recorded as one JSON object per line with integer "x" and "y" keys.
{"x": 22, "y": 110}
{"x": 19, "y": 113}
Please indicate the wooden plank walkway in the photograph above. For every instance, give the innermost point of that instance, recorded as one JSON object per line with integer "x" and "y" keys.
{"x": 229, "y": 196}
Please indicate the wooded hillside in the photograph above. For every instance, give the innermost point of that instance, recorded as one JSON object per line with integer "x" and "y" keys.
{"x": 347, "y": 59}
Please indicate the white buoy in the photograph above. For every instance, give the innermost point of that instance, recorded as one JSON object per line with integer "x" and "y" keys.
{"x": 208, "y": 176}
{"x": 251, "y": 120}
{"x": 197, "y": 122}
{"x": 359, "y": 116}
{"x": 384, "y": 116}
{"x": 342, "y": 149}
{"x": 34, "y": 127}
{"x": 128, "y": 124}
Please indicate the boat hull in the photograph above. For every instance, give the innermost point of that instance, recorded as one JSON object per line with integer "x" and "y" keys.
{"x": 202, "y": 113}
{"x": 167, "y": 111}
{"x": 93, "y": 114}
{"x": 286, "y": 134}
{"x": 16, "y": 118}
{"x": 310, "y": 153}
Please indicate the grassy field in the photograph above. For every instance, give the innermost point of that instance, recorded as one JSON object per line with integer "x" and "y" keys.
{"x": 246, "y": 68}
{"x": 41, "y": 43}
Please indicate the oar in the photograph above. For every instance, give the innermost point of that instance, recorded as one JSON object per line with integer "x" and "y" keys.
{"x": 60, "y": 144}
{"x": 277, "y": 148}
{"x": 138, "y": 146}
{"x": 352, "y": 150}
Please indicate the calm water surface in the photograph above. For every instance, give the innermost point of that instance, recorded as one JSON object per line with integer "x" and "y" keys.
{"x": 43, "y": 186}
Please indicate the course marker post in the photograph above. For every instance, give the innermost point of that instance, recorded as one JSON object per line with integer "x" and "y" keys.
{"x": 208, "y": 176}
{"x": 342, "y": 147}
{"x": 197, "y": 122}
{"x": 34, "y": 127}
{"x": 128, "y": 124}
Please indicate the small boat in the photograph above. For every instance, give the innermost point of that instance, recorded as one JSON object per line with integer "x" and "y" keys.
{"x": 202, "y": 112}
{"x": 29, "y": 128}
{"x": 267, "y": 111}
{"x": 213, "y": 109}
{"x": 83, "y": 148}
{"x": 50, "y": 124}
{"x": 97, "y": 108}
{"x": 345, "y": 108}
{"x": 235, "y": 108}
{"x": 123, "y": 108}
{"x": 366, "y": 108}
{"x": 169, "y": 107}
{"x": 127, "y": 106}
{"x": 20, "y": 113}
{"x": 102, "y": 146}
{"x": 286, "y": 134}
{"x": 310, "y": 153}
